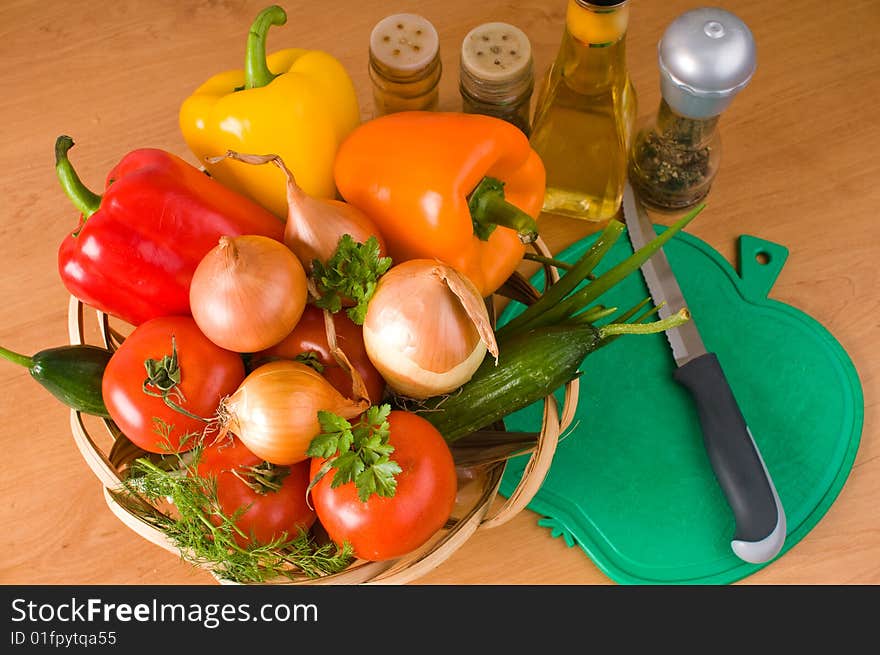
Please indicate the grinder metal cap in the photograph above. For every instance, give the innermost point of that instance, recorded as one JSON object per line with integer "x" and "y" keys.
{"x": 706, "y": 57}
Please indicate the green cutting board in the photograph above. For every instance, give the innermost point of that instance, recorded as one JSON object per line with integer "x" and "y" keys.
{"x": 631, "y": 483}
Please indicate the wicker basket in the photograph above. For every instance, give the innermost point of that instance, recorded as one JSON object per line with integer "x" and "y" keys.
{"x": 108, "y": 453}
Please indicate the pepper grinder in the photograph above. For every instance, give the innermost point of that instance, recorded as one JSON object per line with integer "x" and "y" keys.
{"x": 706, "y": 57}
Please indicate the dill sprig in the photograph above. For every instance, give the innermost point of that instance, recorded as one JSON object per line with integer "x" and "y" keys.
{"x": 208, "y": 537}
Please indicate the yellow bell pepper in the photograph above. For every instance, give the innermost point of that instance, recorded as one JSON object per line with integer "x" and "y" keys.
{"x": 298, "y": 104}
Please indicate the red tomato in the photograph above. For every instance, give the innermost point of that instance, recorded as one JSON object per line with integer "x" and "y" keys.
{"x": 270, "y": 514}
{"x": 309, "y": 336}
{"x": 388, "y": 527}
{"x": 207, "y": 374}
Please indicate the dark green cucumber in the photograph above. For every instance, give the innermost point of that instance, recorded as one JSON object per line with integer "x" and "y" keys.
{"x": 531, "y": 364}
{"x": 72, "y": 374}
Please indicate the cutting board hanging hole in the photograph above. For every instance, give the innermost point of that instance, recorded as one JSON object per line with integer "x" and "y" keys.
{"x": 760, "y": 263}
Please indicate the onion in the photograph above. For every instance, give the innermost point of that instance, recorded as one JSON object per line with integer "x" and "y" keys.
{"x": 427, "y": 329}
{"x": 248, "y": 293}
{"x": 314, "y": 225}
{"x": 274, "y": 412}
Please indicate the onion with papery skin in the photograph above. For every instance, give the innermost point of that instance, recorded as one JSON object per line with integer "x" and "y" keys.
{"x": 274, "y": 412}
{"x": 427, "y": 329}
{"x": 314, "y": 225}
{"x": 248, "y": 293}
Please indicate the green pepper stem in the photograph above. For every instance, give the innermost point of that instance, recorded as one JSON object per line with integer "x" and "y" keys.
{"x": 581, "y": 270}
{"x": 84, "y": 199}
{"x": 680, "y": 317}
{"x": 591, "y": 315}
{"x": 549, "y": 261}
{"x": 586, "y": 295}
{"x": 256, "y": 70}
{"x": 489, "y": 209}
{"x": 15, "y": 358}
{"x": 632, "y": 311}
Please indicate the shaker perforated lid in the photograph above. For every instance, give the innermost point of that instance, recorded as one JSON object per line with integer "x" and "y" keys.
{"x": 404, "y": 42}
{"x": 706, "y": 57}
{"x": 496, "y": 52}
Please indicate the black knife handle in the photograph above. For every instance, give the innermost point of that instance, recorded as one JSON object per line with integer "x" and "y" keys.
{"x": 760, "y": 519}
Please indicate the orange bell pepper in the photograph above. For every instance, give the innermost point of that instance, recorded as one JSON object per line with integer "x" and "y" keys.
{"x": 461, "y": 188}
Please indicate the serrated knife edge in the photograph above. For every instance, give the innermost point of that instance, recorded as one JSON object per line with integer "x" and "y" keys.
{"x": 665, "y": 291}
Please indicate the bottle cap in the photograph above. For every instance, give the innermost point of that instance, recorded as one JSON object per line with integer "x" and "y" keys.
{"x": 601, "y": 3}
{"x": 406, "y": 43}
{"x": 596, "y": 24}
{"x": 497, "y": 53}
{"x": 706, "y": 57}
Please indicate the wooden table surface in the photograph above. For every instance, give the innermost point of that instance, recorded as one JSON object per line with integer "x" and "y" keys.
{"x": 799, "y": 167}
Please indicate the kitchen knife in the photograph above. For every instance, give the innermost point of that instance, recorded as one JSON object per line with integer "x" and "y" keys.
{"x": 735, "y": 459}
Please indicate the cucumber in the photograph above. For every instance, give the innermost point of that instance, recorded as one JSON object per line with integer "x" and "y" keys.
{"x": 531, "y": 365}
{"x": 72, "y": 374}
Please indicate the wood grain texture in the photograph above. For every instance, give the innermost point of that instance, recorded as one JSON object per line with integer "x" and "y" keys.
{"x": 799, "y": 167}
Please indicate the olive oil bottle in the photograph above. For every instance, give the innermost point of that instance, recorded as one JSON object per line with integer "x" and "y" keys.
{"x": 585, "y": 113}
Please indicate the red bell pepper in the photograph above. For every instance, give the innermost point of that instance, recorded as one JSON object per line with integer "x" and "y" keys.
{"x": 137, "y": 246}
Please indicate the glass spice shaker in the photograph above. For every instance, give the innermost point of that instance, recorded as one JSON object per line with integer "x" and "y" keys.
{"x": 404, "y": 64}
{"x": 497, "y": 73}
{"x": 585, "y": 113}
{"x": 706, "y": 56}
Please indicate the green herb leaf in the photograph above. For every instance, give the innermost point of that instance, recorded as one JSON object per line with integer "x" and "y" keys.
{"x": 331, "y": 422}
{"x": 360, "y": 453}
{"x": 348, "y": 467}
{"x": 350, "y": 274}
{"x": 378, "y": 479}
{"x": 324, "y": 445}
{"x": 335, "y": 437}
{"x": 377, "y": 417}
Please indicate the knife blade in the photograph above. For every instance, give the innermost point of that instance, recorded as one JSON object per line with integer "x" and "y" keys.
{"x": 734, "y": 456}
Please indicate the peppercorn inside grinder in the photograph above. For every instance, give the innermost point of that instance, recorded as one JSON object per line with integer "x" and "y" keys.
{"x": 706, "y": 57}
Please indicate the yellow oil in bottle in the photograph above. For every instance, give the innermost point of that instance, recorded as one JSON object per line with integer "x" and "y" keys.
{"x": 585, "y": 114}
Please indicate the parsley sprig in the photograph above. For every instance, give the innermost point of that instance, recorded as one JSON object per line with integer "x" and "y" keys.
{"x": 350, "y": 274}
{"x": 360, "y": 453}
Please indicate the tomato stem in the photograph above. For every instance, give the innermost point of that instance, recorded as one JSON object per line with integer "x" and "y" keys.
{"x": 263, "y": 478}
{"x": 164, "y": 374}
{"x": 311, "y": 359}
